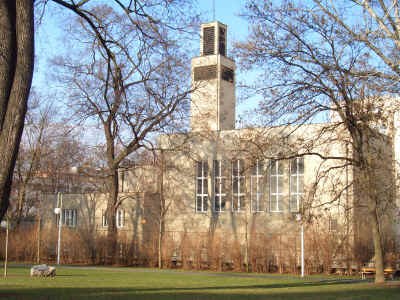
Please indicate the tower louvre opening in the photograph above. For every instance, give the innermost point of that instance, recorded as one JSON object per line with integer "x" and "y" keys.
{"x": 209, "y": 41}
{"x": 221, "y": 42}
{"x": 205, "y": 73}
{"x": 227, "y": 74}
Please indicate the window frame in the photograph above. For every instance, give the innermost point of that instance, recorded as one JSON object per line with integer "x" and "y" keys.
{"x": 237, "y": 179}
{"x": 257, "y": 180}
{"x": 333, "y": 225}
{"x": 204, "y": 186}
{"x": 296, "y": 176}
{"x": 104, "y": 222}
{"x": 278, "y": 194}
{"x": 219, "y": 181}
{"x": 69, "y": 217}
{"x": 120, "y": 212}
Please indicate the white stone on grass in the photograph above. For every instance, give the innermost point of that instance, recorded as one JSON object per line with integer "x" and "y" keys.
{"x": 43, "y": 271}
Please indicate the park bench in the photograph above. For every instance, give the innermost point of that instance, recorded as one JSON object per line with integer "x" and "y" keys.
{"x": 370, "y": 271}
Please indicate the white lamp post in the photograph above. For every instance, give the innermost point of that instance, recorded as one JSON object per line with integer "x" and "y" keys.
{"x": 298, "y": 218}
{"x": 58, "y": 211}
{"x": 6, "y": 224}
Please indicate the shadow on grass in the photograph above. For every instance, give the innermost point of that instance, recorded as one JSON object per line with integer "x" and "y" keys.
{"x": 75, "y": 275}
{"x": 298, "y": 291}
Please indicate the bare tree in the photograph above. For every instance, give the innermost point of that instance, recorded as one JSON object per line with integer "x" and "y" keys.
{"x": 48, "y": 150}
{"x": 309, "y": 68}
{"x": 377, "y": 28}
{"x": 130, "y": 81}
{"x": 32, "y": 150}
{"x": 17, "y": 61}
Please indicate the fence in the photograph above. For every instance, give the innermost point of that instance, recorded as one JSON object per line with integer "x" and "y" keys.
{"x": 273, "y": 252}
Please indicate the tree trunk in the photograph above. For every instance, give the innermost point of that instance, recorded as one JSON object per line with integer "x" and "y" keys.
{"x": 16, "y": 70}
{"x": 112, "y": 202}
{"x": 374, "y": 218}
{"x": 160, "y": 240}
{"x": 376, "y": 236}
{"x": 8, "y": 57}
{"x": 21, "y": 200}
{"x": 39, "y": 220}
{"x": 369, "y": 184}
{"x": 6, "y": 256}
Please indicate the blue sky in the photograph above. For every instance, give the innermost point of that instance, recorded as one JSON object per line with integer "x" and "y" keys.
{"x": 226, "y": 11}
{"x": 49, "y": 38}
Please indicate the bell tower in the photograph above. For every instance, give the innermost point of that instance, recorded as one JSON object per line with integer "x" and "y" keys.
{"x": 213, "y": 81}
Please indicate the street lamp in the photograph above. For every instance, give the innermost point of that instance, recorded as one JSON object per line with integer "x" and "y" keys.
{"x": 58, "y": 211}
{"x": 298, "y": 218}
{"x": 6, "y": 223}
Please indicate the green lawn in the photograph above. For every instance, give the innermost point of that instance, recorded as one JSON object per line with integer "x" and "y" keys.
{"x": 127, "y": 283}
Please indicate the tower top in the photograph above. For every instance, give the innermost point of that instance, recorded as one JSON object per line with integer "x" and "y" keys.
{"x": 212, "y": 104}
{"x": 213, "y": 39}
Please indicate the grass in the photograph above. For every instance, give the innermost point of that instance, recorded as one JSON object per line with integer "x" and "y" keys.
{"x": 127, "y": 283}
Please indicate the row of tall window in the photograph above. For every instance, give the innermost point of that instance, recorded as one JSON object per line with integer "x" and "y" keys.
{"x": 69, "y": 217}
{"x": 120, "y": 218}
{"x": 261, "y": 175}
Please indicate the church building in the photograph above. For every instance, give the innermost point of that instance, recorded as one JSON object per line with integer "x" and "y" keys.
{"x": 240, "y": 196}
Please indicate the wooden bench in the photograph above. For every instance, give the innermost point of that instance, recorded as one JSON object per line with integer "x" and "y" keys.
{"x": 389, "y": 273}
{"x": 366, "y": 271}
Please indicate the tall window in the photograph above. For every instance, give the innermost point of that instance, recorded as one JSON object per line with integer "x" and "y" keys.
{"x": 333, "y": 224}
{"x": 120, "y": 218}
{"x": 219, "y": 185}
{"x": 104, "y": 219}
{"x": 202, "y": 186}
{"x": 122, "y": 181}
{"x": 296, "y": 183}
{"x": 69, "y": 217}
{"x": 238, "y": 187}
{"x": 276, "y": 186}
{"x": 256, "y": 187}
